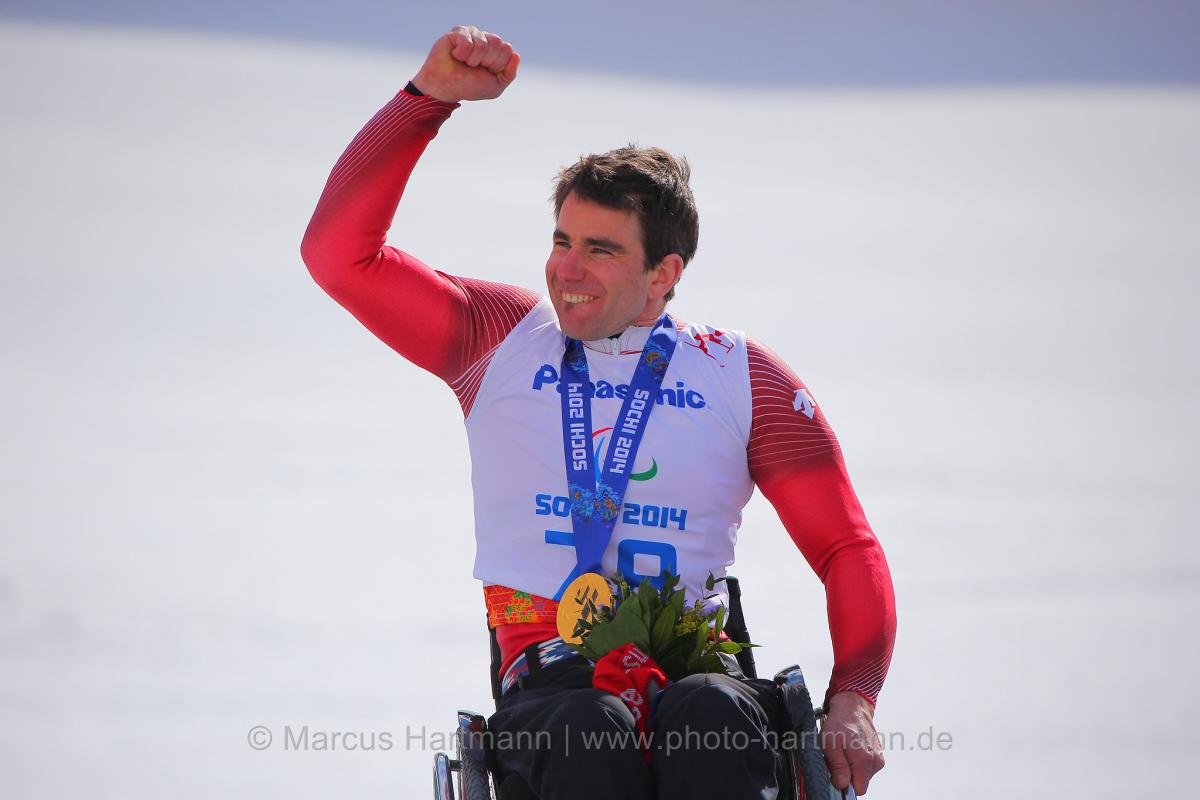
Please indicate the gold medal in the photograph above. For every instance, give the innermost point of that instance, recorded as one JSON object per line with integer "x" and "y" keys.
{"x": 574, "y": 604}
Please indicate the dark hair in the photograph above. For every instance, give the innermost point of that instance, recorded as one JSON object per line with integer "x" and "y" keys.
{"x": 647, "y": 181}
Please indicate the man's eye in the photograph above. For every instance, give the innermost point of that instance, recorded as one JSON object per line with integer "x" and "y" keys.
{"x": 601, "y": 251}
{"x": 560, "y": 243}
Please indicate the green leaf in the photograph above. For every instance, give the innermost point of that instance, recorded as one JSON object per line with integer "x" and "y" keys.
{"x": 630, "y": 606}
{"x": 681, "y": 646}
{"x": 706, "y": 662}
{"x": 670, "y": 584}
{"x": 710, "y": 583}
{"x": 700, "y": 639}
{"x": 674, "y": 659}
{"x": 719, "y": 624}
{"x": 627, "y": 626}
{"x": 604, "y": 638}
{"x": 733, "y": 648}
{"x": 662, "y": 630}
{"x": 678, "y": 601}
{"x": 648, "y": 598}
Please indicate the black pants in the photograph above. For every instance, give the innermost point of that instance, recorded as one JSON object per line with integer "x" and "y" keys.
{"x": 713, "y": 736}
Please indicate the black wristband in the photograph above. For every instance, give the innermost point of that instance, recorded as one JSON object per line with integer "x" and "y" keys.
{"x": 412, "y": 89}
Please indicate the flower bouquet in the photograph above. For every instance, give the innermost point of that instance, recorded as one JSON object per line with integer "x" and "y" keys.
{"x": 681, "y": 640}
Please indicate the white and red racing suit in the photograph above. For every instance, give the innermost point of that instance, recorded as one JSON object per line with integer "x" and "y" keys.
{"x": 731, "y": 415}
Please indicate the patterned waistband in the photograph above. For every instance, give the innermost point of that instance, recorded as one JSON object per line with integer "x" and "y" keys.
{"x": 506, "y": 606}
{"x": 548, "y": 652}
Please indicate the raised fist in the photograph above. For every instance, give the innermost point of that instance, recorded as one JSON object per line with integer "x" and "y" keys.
{"x": 468, "y": 64}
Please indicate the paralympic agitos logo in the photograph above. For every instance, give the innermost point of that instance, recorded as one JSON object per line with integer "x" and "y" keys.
{"x": 598, "y": 441}
{"x": 678, "y": 396}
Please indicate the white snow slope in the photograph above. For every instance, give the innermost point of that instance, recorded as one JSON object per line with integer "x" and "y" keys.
{"x": 225, "y": 504}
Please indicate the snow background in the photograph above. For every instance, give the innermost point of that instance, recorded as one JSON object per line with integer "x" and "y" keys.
{"x": 225, "y": 504}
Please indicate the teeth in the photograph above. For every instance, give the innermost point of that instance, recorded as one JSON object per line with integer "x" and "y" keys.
{"x": 578, "y": 298}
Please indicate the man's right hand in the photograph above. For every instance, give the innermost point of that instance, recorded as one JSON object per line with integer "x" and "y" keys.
{"x": 468, "y": 64}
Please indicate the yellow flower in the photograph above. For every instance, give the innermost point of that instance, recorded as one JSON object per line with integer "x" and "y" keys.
{"x": 689, "y": 623}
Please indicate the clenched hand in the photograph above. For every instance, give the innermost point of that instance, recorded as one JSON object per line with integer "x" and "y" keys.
{"x": 468, "y": 64}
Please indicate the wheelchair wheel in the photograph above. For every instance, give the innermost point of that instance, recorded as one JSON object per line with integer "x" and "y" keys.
{"x": 474, "y": 782}
{"x": 472, "y": 761}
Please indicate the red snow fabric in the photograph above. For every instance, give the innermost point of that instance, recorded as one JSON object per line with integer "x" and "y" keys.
{"x": 632, "y": 676}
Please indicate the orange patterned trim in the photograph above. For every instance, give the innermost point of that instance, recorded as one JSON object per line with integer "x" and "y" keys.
{"x": 507, "y": 606}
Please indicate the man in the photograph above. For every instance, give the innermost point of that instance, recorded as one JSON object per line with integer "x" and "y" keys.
{"x": 727, "y": 414}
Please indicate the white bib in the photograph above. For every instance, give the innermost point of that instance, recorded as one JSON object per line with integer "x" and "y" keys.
{"x": 689, "y": 482}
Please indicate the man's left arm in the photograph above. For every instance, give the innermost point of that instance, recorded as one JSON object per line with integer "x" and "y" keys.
{"x": 795, "y": 460}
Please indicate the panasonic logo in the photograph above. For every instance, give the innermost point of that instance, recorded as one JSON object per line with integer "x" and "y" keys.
{"x": 679, "y": 396}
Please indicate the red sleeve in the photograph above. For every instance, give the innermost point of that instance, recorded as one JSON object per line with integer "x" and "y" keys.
{"x": 795, "y": 460}
{"x": 442, "y": 323}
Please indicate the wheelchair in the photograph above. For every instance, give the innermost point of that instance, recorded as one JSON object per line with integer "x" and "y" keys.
{"x": 467, "y": 777}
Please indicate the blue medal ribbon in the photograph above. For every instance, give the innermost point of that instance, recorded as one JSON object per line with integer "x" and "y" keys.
{"x": 596, "y": 495}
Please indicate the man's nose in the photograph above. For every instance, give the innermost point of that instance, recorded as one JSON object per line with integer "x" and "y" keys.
{"x": 570, "y": 266}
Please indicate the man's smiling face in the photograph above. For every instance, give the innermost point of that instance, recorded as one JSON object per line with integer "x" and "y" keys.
{"x": 596, "y": 273}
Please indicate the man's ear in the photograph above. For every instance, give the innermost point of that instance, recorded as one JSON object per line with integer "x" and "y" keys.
{"x": 666, "y": 274}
